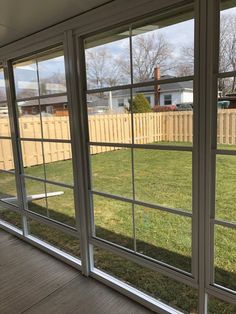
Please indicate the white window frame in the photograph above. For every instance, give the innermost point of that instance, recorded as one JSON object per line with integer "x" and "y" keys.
{"x": 169, "y": 96}
{"x": 70, "y": 34}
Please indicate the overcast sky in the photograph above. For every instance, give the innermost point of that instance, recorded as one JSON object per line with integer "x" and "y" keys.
{"x": 178, "y": 36}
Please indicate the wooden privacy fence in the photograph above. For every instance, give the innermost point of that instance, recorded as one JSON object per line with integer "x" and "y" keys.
{"x": 116, "y": 128}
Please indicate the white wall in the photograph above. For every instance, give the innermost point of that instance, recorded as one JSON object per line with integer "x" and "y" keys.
{"x": 187, "y": 97}
{"x": 176, "y": 98}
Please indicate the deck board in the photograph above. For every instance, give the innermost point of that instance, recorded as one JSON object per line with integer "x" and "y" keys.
{"x": 32, "y": 281}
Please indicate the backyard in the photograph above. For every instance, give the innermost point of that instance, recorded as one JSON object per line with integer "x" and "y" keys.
{"x": 160, "y": 177}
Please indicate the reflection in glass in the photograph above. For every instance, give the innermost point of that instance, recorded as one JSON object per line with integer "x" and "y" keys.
{"x": 163, "y": 236}
{"x": 167, "y": 290}
{"x": 113, "y": 221}
{"x": 25, "y": 77}
{"x": 107, "y": 60}
{"x": 225, "y": 257}
{"x": 163, "y": 178}
{"x": 157, "y": 54}
{"x": 227, "y": 55}
{"x": 51, "y": 71}
{"x": 111, "y": 170}
{"x": 55, "y": 237}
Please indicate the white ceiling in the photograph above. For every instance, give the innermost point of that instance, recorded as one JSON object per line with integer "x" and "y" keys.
{"x": 19, "y": 18}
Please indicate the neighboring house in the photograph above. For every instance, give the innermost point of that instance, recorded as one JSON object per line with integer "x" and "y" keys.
{"x": 118, "y": 101}
{"x": 230, "y": 98}
{"x": 52, "y": 106}
{"x": 3, "y": 110}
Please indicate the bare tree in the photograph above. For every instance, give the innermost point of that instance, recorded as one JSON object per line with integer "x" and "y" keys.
{"x": 149, "y": 51}
{"x": 103, "y": 69}
{"x": 227, "y": 60}
{"x": 185, "y": 63}
{"x": 227, "y": 55}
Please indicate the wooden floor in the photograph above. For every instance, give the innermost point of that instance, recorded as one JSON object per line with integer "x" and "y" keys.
{"x": 34, "y": 282}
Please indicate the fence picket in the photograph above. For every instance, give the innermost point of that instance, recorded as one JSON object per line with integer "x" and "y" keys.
{"x": 148, "y": 128}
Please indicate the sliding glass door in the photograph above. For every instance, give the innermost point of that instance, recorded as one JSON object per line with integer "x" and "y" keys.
{"x": 118, "y": 154}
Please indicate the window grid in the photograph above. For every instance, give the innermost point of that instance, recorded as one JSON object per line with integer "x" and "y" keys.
{"x": 211, "y": 290}
{"x": 110, "y": 245}
{"x": 46, "y": 182}
{"x": 3, "y": 201}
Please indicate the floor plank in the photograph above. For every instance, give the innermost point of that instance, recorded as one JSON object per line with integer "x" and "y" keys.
{"x": 34, "y": 282}
{"x": 86, "y": 296}
{"x": 27, "y": 275}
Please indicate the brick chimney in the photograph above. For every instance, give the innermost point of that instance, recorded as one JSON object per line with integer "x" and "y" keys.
{"x": 157, "y": 76}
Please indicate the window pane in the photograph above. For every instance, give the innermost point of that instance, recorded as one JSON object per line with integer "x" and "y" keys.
{"x": 227, "y": 36}
{"x": 226, "y": 113}
{"x": 60, "y": 202}
{"x": 33, "y": 160}
{"x": 3, "y": 95}
{"x": 55, "y": 237}
{"x": 168, "y": 118}
{"x": 55, "y": 118}
{"x": 158, "y": 54}
{"x": 113, "y": 221}
{"x": 164, "y": 236}
{"x": 29, "y": 119}
{"x": 56, "y": 127}
{"x": 11, "y": 217}
{"x": 26, "y": 82}
{"x": 216, "y": 306}
{"x": 108, "y": 121}
{"x": 6, "y": 155}
{"x": 111, "y": 170}
{"x": 50, "y": 200}
{"x": 58, "y": 162}
{"x": 225, "y": 257}
{"x": 108, "y": 60}
{"x": 4, "y": 119}
{"x": 51, "y": 70}
{"x": 225, "y": 188}
{"x": 158, "y": 286}
{"x": 8, "y": 191}
{"x": 36, "y": 196}
{"x": 164, "y": 178}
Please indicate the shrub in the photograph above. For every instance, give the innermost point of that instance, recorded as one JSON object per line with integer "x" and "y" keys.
{"x": 139, "y": 104}
{"x": 164, "y": 108}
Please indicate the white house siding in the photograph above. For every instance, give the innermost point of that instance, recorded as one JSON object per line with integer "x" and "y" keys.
{"x": 176, "y": 97}
{"x": 115, "y": 104}
{"x": 116, "y": 99}
{"x": 187, "y": 97}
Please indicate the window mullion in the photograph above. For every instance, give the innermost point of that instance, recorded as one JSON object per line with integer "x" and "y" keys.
{"x": 14, "y": 126}
{"x": 79, "y": 146}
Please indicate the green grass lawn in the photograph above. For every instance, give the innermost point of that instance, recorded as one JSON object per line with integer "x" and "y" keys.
{"x": 160, "y": 177}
